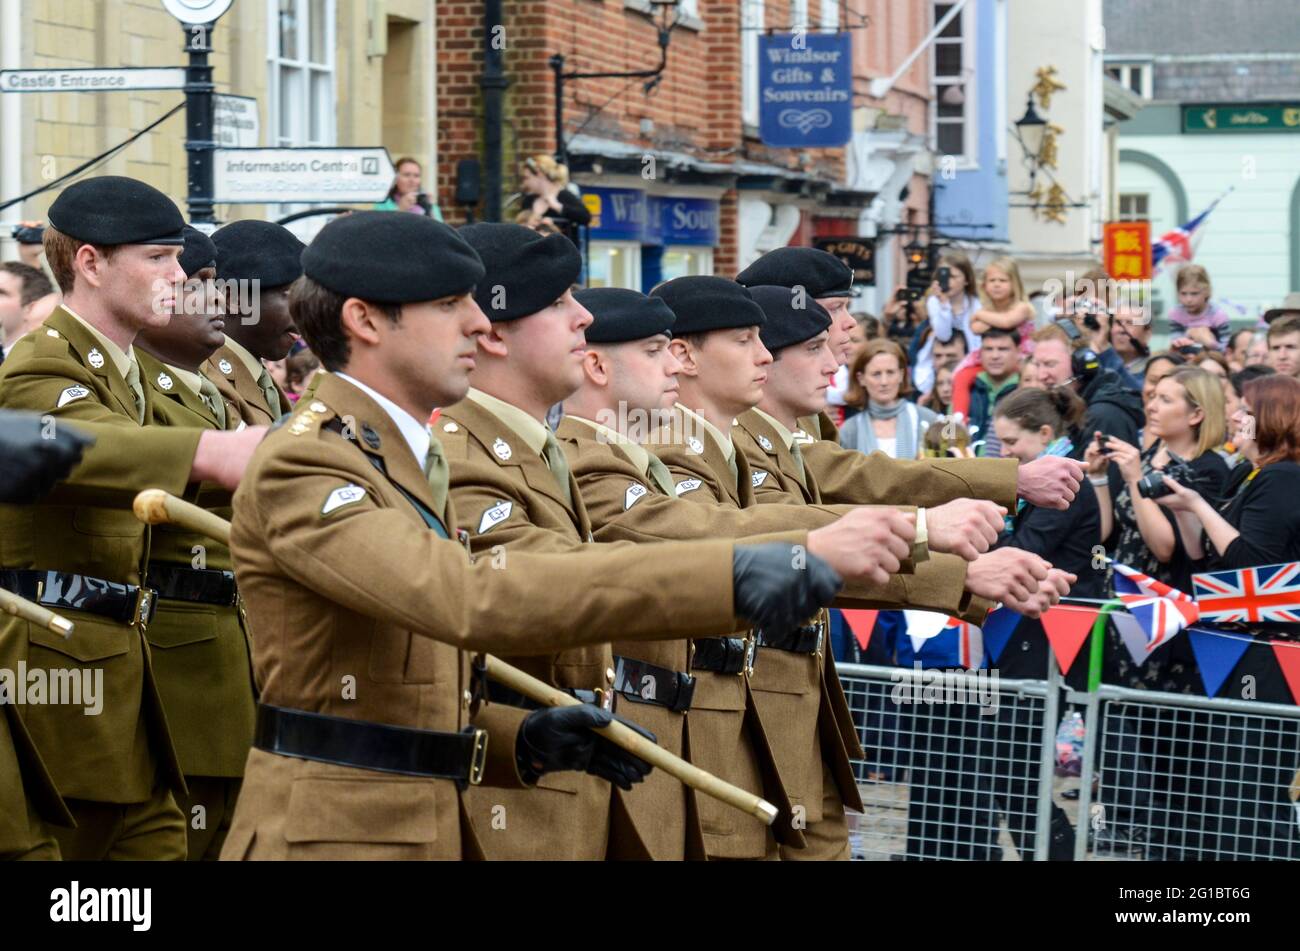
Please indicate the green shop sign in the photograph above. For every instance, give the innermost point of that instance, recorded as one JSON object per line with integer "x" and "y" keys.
{"x": 1270, "y": 117}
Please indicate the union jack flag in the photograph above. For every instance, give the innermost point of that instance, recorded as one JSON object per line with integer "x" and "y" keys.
{"x": 1162, "y": 611}
{"x": 1179, "y": 246}
{"x": 1264, "y": 593}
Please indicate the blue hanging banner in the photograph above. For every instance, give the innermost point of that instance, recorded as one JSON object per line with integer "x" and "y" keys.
{"x": 805, "y": 89}
{"x": 617, "y": 214}
{"x": 689, "y": 221}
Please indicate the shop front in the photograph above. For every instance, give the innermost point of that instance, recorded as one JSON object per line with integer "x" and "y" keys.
{"x": 639, "y": 239}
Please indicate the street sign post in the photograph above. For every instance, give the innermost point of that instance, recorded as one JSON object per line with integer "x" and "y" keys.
{"x": 123, "y": 79}
{"x": 271, "y": 176}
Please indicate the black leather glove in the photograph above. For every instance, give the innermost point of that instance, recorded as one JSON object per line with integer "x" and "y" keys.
{"x": 556, "y": 738}
{"x": 34, "y": 455}
{"x": 777, "y": 588}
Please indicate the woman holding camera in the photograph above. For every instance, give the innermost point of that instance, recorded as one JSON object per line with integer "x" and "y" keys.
{"x": 1151, "y": 795}
{"x": 1258, "y": 525}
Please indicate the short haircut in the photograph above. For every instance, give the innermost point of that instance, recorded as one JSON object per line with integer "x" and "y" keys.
{"x": 1005, "y": 332}
{"x": 1051, "y": 332}
{"x": 957, "y": 337}
{"x": 33, "y": 283}
{"x": 1247, "y": 373}
{"x": 1289, "y": 324}
{"x": 61, "y": 250}
{"x": 317, "y": 312}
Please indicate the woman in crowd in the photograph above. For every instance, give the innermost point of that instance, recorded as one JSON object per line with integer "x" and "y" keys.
{"x": 887, "y": 422}
{"x": 939, "y": 399}
{"x": 867, "y": 328}
{"x": 1159, "y": 366}
{"x": 546, "y": 196}
{"x": 1153, "y": 799}
{"x": 948, "y": 311}
{"x": 1258, "y": 525}
{"x": 405, "y": 195}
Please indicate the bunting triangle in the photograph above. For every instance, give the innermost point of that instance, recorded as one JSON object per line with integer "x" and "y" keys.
{"x": 998, "y": 628}
{"x": 1067, "y": 628}
{"x": 1216, "y": 654}
{"x": 1288, "y": 658}
{"x": 1133, "y": 635}
{"x": 862, "y": 623}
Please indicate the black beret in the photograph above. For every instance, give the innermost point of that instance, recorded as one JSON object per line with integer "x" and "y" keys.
{"x": 525, "y": 270}
{"x": 821, "y": 273}
{"x": 199, "y": 252}
{"x": 620, "y": 315}
{"x": 112, "y": 209}
{"x": 258, "y": 251}
{"x": 704, "y": 303}
{"x": 391, "y": 258}
{"x": 792, "y": 316}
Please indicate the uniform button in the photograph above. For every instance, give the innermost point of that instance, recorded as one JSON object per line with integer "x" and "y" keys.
{"x": 465, "y": 699}
{"x": 450, "y": 428}
{"x": 609, "y": 675}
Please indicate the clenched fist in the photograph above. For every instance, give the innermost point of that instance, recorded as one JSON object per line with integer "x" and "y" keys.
{"x": 868, "y": 543}
{"x": 965, "y": 527}
{"x": 1009, "y": 575}
{"x": 222, "y": 457}
{"x": 1050, "y": 482}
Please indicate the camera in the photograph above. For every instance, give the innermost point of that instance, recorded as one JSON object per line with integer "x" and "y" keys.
{"x": 1153, "y": 486}
{"x": 1191, "y": 349}
{"x": 943, "y": 277}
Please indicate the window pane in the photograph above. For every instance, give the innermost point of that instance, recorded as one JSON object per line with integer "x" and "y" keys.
{"x": 290, "y": 104}
{"x": 322, "y": 105}
{"x": 1115, "y": 73}
{"x": 1135, "y": 79}
{"x": 948, "y": 110}
{"x": 318, "y": 23}
{"x": 953, "y": 28}
{"x": 288, "y": 29}
{"x": 947, "y": 59}
{"x": 950, "y": 138}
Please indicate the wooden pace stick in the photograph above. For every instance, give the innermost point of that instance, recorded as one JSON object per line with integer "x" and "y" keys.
{"x": 158, "y": 507}
{"x": 20, "y": 607}
{"x": 636, "y": 744}
{"x": 155, "y": 506}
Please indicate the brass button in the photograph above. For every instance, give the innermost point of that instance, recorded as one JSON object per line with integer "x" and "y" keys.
{"x": 609, "y": 675}
{"x": 465, "y": 699}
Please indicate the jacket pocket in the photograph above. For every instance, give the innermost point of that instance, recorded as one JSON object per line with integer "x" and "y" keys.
{"x": 91, "y": 641}
{"x": 177, "y": 623}
{"x": 387, "y": 811}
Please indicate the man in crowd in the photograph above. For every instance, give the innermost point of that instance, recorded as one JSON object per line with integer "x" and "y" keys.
{"x": 26, "y": 298}
{"x": 1000, "y": 358}
{"x": 1284, "y": 345}
{"x": 1113, "y": 408}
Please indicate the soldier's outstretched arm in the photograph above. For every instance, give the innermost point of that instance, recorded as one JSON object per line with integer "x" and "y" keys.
{"x": 846, "y": 476}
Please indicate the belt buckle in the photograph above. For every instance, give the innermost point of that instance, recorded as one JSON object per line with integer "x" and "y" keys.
{"x": 751, "y": 648}
{"x": 145, "y": 599}
{"x": 478, "y": 757}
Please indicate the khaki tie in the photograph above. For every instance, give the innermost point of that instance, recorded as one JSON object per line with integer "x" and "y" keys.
{"x": 660, "y": 476}
{"x": 798, "y": 463}
{"x": 269, "y": 391}
{"x": 554, "y": 457}
{"x": 439, "y": 476}
{"x": 735, "y": 472}
{"x": 212, "y": 399}
{"x": 133, "y": 381}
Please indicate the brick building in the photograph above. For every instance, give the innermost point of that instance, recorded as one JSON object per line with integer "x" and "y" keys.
{"x": 675, "y": 175}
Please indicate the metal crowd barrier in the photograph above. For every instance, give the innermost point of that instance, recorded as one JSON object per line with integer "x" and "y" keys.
{"x": 968, "y": 772}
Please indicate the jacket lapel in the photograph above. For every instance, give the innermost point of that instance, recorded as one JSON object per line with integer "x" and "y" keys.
{"x": 487, "y": 429}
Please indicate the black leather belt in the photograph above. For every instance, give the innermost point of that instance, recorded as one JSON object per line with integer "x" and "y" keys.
{"x": 377, "y": 746}
{"x": 806, "y": 639}
{"x": 723, "y": 655}
{"x": 645, "y": 683}
{"x": 500, "y": 693}
{"x": 124, "y": 603}
{"x": 200, "y": 585}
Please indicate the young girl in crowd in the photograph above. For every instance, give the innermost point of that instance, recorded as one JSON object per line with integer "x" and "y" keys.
{"x": 1195, "y": 310}
{"x": 948, "y": 312}
{"x": 1005, "y": 305}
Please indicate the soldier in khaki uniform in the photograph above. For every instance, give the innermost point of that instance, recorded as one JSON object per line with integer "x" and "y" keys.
{"x": 796, "y": 336}
{"x": 29, "y": 466}
{"x": 850, "y": 477}
{"x": 256, "y": 263}
{"x": 81, "y": 550}
{"x": 361, "y": 605}
{"x": 197, "y": 638}
{"x": 723, "y": 370}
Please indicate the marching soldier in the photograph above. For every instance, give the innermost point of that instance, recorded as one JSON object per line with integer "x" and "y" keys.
{"x": 818, "y": 720}
{"x": 112, "y": 244}
{"x": 850, "y": 477}
{"x": 256, "y": 263}
{"x": 197, "y": 639}
{"x": 369, "y": 725}
{"x": 630, "y": 379}
{"x": 29, "y": 466}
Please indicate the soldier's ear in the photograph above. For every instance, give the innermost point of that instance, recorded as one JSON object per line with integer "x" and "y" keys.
{"x": 595, "y": 364}
{"x": 494, "y": 342}
{"x": 360, "y": 321}
{"x": 685, "y": 355}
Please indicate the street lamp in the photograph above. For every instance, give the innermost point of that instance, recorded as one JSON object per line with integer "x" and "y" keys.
{"x": 1030, "y": 131}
